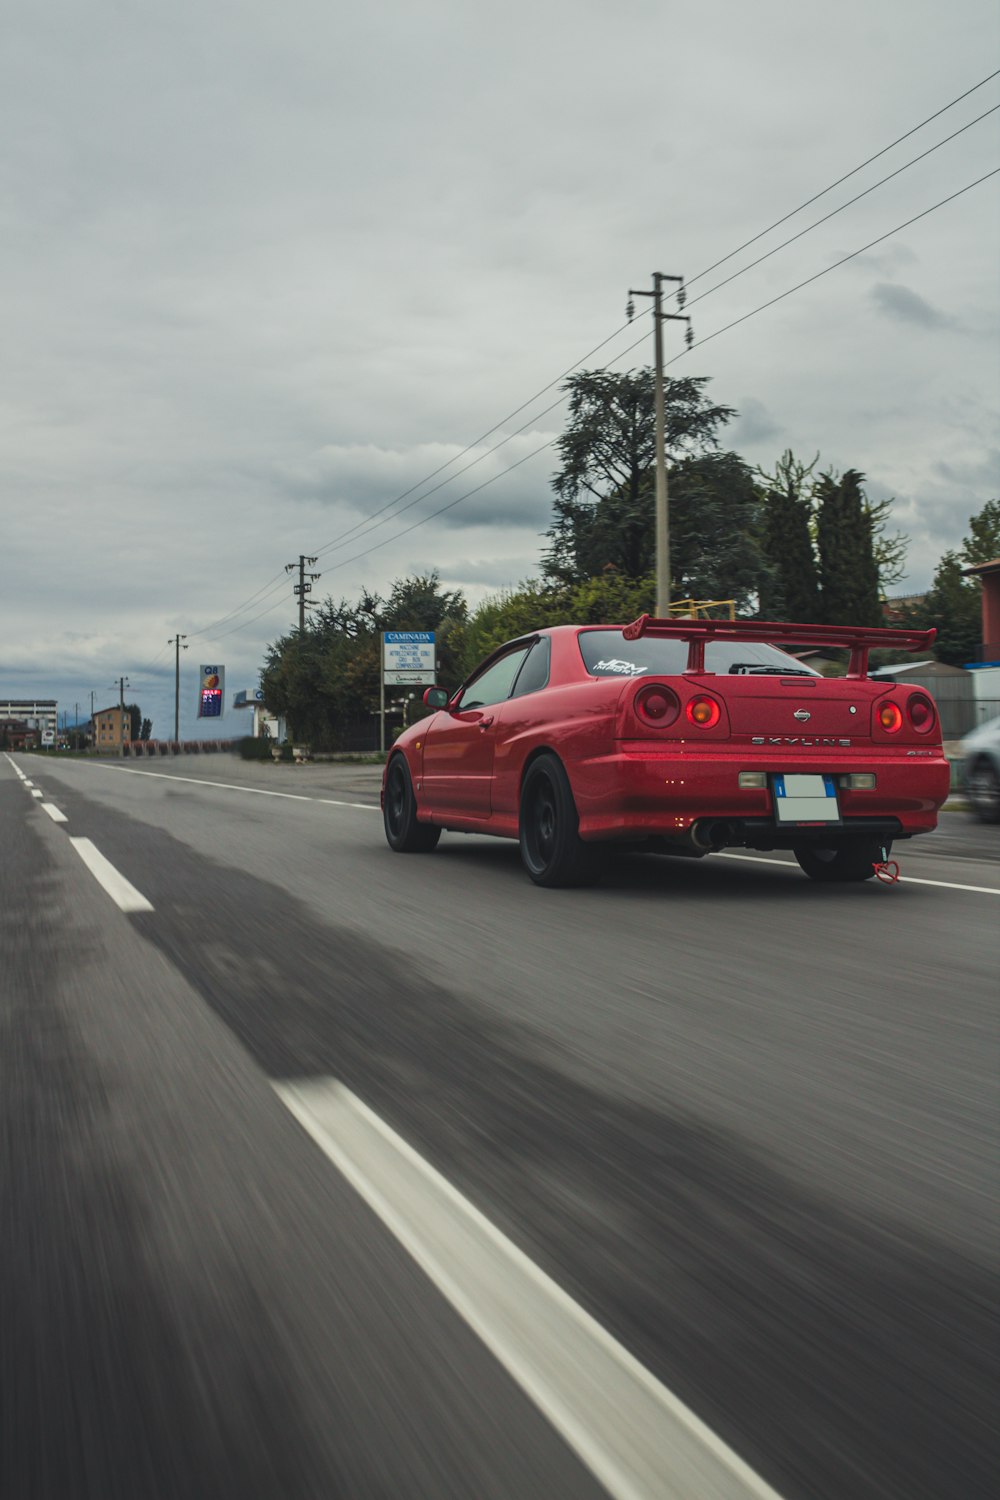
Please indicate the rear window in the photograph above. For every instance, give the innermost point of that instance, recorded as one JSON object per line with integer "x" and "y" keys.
{"x": 606, "y": 653}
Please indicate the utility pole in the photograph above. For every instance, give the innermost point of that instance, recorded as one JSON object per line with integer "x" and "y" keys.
{"x": 662, "y": 516}
{"x": 123, "y": 683}
{"x": 175, "y": 641}
{"x": 302, "y": 588}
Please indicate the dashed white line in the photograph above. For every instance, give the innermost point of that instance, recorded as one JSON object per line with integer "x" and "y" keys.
{"x": 947, "y": 885}
{"x": 636, "y": 1436}
{"x": 255, "y": 791}
{"x": 36, "y": 793}
{"x": 54, "y": 813}
{"x": 229, "y": 786}
{"x": 121, "y": 891}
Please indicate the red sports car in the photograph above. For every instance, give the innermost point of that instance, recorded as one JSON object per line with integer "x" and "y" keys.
{"x": 682, "y": 735}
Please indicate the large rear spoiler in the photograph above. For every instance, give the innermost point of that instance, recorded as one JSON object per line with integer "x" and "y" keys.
{"x": 860, "y": 639}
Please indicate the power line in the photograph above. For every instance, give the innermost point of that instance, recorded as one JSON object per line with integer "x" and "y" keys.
{"x": 843, "y": 260}
{"x": 366, "y": 529}
{"x": 271, "y": 587}
{"x": 708, "y": 337}
{"x": 700, "y": 298}
{"x": 364, "y": 526}
{"x": 457, "y": 475}
{"x": 150, "y": 665}
{"x": 834, "y": 211}
{"x": 854, "y": 170}
{"x": 475, "y": 443}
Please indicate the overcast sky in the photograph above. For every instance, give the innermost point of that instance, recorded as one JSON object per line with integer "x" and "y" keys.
{"x": 265, "y": 266}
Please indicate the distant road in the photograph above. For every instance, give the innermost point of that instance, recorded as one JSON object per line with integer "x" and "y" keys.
{"x": 320, "y": 1161}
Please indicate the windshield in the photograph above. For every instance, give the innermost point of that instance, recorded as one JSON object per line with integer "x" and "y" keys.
{"x": 607, "y": 654}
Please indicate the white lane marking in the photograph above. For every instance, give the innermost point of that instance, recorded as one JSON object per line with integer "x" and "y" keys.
{"x": 54, "y": 813}
{"x": 26, "y": 781}
{"x": 228, "y": 786}
{"x": 36, "y": 793}
{"x": 121, "y": 891}
{"x": 947, "y": 885}
{"x": 635, "y": 1436}
{"x": 17, "y": 769}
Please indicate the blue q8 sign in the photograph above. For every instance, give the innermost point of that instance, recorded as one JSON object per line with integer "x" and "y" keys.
{"x": 213, "y": 683}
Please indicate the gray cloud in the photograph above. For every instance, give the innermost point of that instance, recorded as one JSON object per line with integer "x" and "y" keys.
{"x": 907, "y": 306}
{"x": 975, "y": 474}
{"x": 504, "y": 478}
{"x": 888, "y": 259}
{"x": 755, "y": 424}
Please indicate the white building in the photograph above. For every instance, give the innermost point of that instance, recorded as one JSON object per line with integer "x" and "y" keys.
{"x": 37, "y": 713}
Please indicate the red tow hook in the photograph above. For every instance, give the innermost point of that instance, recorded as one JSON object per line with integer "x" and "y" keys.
{"x": 886, "y": 869}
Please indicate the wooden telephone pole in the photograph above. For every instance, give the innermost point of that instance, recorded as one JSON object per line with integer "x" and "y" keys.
{"x": 662, "y": 515}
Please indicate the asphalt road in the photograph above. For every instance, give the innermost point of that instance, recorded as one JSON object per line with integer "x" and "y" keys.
{"x": 747, "y": 1123}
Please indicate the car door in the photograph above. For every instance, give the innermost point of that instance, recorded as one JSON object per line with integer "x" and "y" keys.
{"x": 458, "y": 752}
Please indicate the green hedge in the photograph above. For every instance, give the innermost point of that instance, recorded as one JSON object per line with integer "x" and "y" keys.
{"x": 255, "y": 749}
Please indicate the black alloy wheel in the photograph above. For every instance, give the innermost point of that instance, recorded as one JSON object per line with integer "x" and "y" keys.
{"x": 983, "y": 786}
{"x": 399, "y": 813}
{"x": 551, "y": 848}
{"x": 852, "y": 861}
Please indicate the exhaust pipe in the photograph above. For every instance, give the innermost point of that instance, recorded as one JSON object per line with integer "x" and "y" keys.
{"x": 712, "y": 834}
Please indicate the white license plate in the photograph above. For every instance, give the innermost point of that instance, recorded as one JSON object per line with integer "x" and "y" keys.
{"x": 805, "y": 799}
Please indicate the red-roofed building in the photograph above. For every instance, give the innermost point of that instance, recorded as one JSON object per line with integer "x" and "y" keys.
{"x": 988, "y": 574}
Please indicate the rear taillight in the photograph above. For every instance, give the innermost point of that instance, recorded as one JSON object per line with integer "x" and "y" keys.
{"x": 890, "y": 717}
{"x": 921, "y": 713}
{"x": 656, "y": 706}
{"x": 703, "y": 713}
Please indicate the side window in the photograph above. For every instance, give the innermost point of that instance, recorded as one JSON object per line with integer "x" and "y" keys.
{"x": 493, "y": 685}
{"x": 534, "y": 674}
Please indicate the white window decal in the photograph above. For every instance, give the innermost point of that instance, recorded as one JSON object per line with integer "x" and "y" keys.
{"x": 620, "y": 668}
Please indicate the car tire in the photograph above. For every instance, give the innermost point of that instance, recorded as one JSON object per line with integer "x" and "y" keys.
{"x": 552, "y": 850}
{"x": 853, "y": 861}
{"x": 399, "y": 813}
{"x": 983, "y": 787}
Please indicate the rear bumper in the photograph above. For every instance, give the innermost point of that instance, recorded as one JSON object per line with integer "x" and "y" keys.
{"x": 635, "y": 793}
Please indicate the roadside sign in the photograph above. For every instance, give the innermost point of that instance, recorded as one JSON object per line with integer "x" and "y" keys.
{"x": 213, "y": 683}
{"x": 408, "y": 658}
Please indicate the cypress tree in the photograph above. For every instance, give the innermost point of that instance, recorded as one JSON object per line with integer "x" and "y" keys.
{"x": 790, "y": 590}
{"x": 848, "y": 570}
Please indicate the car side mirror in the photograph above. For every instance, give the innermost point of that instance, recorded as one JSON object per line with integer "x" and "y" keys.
{"x": 436, "y": 697}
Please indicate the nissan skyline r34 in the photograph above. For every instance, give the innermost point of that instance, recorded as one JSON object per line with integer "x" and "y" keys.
{"x": 683, "y": 735}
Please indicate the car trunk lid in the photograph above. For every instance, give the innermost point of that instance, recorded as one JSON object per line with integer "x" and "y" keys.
{"x": 807, "y": 706}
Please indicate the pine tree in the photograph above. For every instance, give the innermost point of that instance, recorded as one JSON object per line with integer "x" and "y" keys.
{"x": 848, "y": 570}
{"x": 603, "y": 506}
{"x": 983, "y": 542}
{"x": 952, "y": 606}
